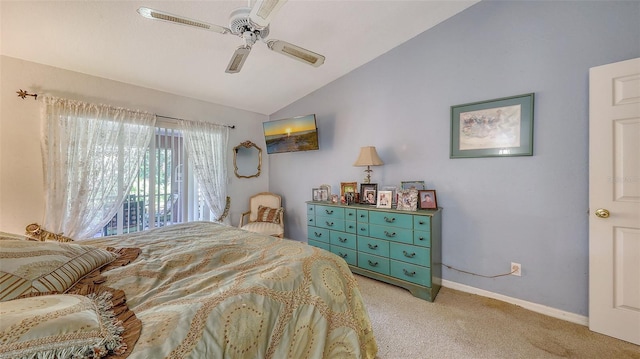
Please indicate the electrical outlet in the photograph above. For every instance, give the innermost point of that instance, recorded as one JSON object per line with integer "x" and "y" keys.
{"x": 516, "y": 269}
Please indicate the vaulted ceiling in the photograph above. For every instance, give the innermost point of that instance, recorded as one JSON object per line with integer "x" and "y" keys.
{"x": 110, "y": 39}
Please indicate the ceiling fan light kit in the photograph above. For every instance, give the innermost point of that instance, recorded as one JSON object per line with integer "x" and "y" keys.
{"x": 249, "y": 23}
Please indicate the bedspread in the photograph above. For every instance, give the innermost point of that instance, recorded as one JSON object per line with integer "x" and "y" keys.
{"x": 207, "y": 290}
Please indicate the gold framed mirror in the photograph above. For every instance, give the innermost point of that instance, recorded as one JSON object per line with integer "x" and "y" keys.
{"x": 247, "y": 160}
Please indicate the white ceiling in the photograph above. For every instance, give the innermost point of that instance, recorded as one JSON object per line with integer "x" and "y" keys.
{"x": 109, "y": 39}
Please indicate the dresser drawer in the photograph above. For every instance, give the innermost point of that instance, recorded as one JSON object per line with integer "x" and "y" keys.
{"x": 342, "y": 239}
{"x": 330, "y": 223}
{"x": 373, "y": 246}
{"x": 422, "y": 238}
{"x": 350, "y": 214}
{"x": 412, "y": 254}
{"x": 362, "y": 216}
{"x": 331, "y": 212}
{"x": 373, "y": 263}
{"x": 311, "y": 209}
{"x": 322, "y": 245}
{"x": 311, "y": 221}
{"x": 350, "y": 226}
{"x": 391, "y": 219}
{"x": 422, "y": 223}
{"x": 362, "y": 229}
{"x": 349, "y": 255}
{"x": 411, "y": 273}
{"x": 391, "y": 233}
{"x": 318, "y": 234}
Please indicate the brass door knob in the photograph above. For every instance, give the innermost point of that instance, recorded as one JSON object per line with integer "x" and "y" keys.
{"x": 602, "y": 213}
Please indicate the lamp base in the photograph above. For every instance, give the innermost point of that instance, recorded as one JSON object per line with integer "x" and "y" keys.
{"x": 367, "y": 178}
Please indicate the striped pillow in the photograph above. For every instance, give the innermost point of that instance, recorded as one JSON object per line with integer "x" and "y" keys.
{"x": 29, "y": 267}
{"x": 268, "y": 214}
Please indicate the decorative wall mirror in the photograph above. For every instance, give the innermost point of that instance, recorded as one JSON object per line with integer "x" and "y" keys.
{"x": 247, "y": 160}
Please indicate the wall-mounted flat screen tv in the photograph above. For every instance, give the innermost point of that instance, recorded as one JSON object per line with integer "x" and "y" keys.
{"x": 291, "y": 134}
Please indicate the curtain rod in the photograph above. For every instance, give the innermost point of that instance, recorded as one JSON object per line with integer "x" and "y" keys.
{"x": 23, "y": 94}
{"x": 182, "y": 119}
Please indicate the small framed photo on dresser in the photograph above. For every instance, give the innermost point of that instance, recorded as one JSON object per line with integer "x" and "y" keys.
{"x": 346, "y": 187}
{"x": 418, "y": 185}
{"x": 428, "y": 199}
{"x": 407, "y": 200}
{"x": 368, "y": 193}
{"x": 384, "y": 199}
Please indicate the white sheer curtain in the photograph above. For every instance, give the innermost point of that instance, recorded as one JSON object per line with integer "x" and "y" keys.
{"x": 206, "y": 145}
{"x": 91, "y": 155}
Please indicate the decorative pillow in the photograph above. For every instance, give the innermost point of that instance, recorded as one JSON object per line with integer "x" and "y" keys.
{"x": 268, "y": 214}
{"x": 29, "y": 268}
{"x": 10, "y": 236}
{"x": 60, "y": 326}
{"x": 35, "y": 232}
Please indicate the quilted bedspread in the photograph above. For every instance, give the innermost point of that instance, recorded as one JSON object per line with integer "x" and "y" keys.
{"x": 206, "y": 290}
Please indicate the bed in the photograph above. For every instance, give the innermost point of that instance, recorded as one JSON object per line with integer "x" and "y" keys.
{"x": 208, "y": 290}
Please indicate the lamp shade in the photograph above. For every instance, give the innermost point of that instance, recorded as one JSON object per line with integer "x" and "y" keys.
{"x": 368, "y": 157}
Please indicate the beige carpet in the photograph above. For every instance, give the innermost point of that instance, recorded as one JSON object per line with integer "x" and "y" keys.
{"x": 462, "y": 325}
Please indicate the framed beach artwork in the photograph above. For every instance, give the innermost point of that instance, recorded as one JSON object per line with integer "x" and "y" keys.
{"x": 495, "y": 128}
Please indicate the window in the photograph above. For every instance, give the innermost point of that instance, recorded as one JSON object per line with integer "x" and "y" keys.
{"x": 164, "y": 191}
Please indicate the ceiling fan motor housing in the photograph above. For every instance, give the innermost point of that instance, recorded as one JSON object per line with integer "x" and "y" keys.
{"x": 239, "y": 23}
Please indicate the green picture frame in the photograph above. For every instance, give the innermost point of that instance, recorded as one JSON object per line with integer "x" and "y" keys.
{"x": 500, "y": 127}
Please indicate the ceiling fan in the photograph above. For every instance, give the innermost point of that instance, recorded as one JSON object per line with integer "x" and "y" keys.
{"x": 249, "y": 23}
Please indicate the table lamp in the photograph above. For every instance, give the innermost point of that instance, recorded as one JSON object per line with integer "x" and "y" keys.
{"x": 368, "y": 157}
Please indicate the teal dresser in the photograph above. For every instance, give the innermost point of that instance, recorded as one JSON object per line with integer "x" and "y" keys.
{"x": 398, "y": 247}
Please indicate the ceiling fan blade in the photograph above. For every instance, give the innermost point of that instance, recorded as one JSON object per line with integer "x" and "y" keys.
{"x": 238, "y": 59}
{"x": 263, "y": 11}
{"x": 176, "y": 19}
{"x": 296, "y": 52}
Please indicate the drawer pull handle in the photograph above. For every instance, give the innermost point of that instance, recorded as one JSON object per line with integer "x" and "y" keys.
{"x": 350, "y": 226}
{"x": 390, "y": 220}
{"x": 330, "y": 224}
{"x": 389, "y": 234}
{"x": 328, "y": 211}
{"x": 362, "y": 216}
{"x": 408, "y": 255}
{"x": 421, "y": 239}
{"x": 350, "y": 214}
{"x": 373, "y": 264}
{"x": 343, "y": 255}
{"x": 318, "y": 234}
{"x": 342, "y": 239}
{"x": 410, "y": 274}
{"x": 363, "y": 229}
{"x": 421, "y": 222}
{"x": 375, "y": 246}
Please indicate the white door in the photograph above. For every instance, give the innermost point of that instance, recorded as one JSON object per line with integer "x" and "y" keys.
{"x": 614, "y": 200}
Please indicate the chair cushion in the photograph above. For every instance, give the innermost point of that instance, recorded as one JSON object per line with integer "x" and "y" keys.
{"x": 268, "y": 228}
{"x": 268, "y": 214}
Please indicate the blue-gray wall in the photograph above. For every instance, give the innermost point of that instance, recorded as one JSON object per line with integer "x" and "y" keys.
{"x": 530, "y": 210}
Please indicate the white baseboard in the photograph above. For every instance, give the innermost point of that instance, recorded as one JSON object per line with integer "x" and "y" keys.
{"x": 538, "y": 308}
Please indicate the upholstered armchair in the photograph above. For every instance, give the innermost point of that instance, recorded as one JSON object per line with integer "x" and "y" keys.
{"x": 265, "y": 215}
